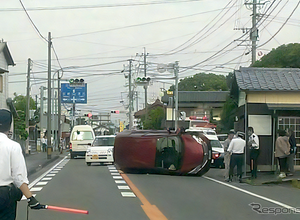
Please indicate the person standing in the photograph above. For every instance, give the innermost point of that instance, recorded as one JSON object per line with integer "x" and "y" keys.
{"x": 13, "y": 172}
{"x": 293, "y": 150}
{"x": 282, "y": 151}
{"x": 253, "y": 144}
{"x": 227, "y": 154}
{"x": 237, "y": 149}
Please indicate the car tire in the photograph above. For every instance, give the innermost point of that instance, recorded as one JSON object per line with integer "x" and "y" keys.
{"x": 88, "y": 163}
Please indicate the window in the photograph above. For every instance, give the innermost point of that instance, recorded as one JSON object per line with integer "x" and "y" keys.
{"x": 104, "y": 141}
{"x": 284, "y": 123}
{"x": 82, "y": 135}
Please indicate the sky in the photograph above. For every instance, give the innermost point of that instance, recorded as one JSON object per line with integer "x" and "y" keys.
{"x": 94, "y": 40}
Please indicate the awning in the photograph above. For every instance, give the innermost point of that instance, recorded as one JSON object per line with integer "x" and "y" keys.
{"x": 274, "y": 106}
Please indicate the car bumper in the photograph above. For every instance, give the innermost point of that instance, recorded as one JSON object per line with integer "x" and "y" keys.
{"x": 99, "y": 158}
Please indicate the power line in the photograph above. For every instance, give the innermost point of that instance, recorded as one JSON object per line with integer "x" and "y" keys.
{"x": 31, "y": 21}
{"x": 99, "y": 6}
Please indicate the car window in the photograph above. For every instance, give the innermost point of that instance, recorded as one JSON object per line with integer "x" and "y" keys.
{"x": 104, "y": 141}
{"x": 82, "y": 135}
{"x": 215, "y": 143}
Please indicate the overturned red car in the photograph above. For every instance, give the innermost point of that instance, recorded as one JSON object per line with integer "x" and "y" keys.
{"x": 162, "y": 152}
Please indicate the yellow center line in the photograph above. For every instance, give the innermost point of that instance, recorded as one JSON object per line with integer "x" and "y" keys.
{"x": 151, "y": 211}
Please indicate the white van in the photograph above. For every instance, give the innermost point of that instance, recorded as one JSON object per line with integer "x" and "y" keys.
{"x": 82, "y": 136}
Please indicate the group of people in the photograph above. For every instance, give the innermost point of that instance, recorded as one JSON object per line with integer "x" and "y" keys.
{"x": 235, "y": 146}
{"x": 234, "y": 153}
{"x": 285, "y": 149}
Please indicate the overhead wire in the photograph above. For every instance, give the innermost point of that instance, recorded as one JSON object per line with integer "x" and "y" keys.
{"x": 31, "y": 21}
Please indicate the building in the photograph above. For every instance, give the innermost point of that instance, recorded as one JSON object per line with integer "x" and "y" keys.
{"x": 268, "y": 99}
{"x": 5, "y": 61}
{"x": 206, "y": 104}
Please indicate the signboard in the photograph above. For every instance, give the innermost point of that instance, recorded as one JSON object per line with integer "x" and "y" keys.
{"x": 71, "y": 94}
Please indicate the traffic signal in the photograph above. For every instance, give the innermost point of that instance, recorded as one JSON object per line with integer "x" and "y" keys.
{"x": 76, "y": 82}
{"x": 142, "y": 81}
{"x": 89, "y": 115}
{"x": 115, "y": 111}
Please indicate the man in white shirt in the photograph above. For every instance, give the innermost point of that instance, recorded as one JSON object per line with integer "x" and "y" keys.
{"x": 13, "y": 172}
{"x": 237, "y": 148}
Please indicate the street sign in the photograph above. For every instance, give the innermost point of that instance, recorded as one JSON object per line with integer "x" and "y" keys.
{"x": 71, "y": 94}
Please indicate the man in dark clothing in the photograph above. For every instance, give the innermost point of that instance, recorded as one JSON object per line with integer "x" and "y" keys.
{"x": 253, "y": 144}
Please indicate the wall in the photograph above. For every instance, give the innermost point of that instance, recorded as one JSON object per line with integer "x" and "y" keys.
{"x": 274, "y": 97}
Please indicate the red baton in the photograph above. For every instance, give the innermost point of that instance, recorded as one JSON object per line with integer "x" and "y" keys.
{"x": 77, "y": 211}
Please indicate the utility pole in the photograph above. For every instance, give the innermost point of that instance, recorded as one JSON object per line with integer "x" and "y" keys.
{"x": 130, "y": 96}
{"x": 59, "y": 109}
{"x": 176, "y": 70}
{"x": 28, "y": 103}
{"x": 145, "y": 86}
{"x": 254, "y": 32}
{"x": 49, "y": 148}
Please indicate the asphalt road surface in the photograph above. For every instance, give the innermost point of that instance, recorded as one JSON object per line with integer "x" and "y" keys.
{"x": 110, "y": 195}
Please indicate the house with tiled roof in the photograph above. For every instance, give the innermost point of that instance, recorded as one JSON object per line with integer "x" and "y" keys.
{"x": 5, "y": 61}
{"x": 268, "y": 99}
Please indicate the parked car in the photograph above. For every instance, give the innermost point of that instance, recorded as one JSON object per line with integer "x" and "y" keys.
{"x": 218, "y": 150}
{"x": 101, "y": 150}
{"x": 82, "y": 136}
{"x": 161, "y": 152}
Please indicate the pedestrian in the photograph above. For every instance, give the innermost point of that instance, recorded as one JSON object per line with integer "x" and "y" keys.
{"x": 282, "y": 151}
{"x": 13, "y": 173}
{"x": 227, "y": 154}
{"x": 237, "y": 149}
{"x": 293, "y": 150}
{"x": 253, "y": 143}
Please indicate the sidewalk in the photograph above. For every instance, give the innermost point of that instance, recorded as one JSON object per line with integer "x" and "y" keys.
{"x": 263, "y": 177}
{"x": 37, "y": 160}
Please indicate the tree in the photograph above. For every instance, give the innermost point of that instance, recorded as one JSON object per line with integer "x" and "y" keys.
{"x": 227, "y": 115}
{"x": 284, "y": 56}
{"x": 154, "y": 119}
{"x": 20, "y": 102}
{"x": 202, "y": 82}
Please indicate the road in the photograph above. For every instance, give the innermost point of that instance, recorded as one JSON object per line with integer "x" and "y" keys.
{"x": 107, "y": 194}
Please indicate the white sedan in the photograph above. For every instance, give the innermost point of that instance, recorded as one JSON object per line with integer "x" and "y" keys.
{"x": 101, "y": 150}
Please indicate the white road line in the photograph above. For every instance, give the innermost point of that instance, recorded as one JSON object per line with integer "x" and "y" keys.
{"x": 47, "y": 179}
{"x": 41, "y": 183}
{"x": 123, "y": 187}
{"x": 128, "y": 194}
{"x": 115, "y": 174}
{"x": 120, "y": 181}
{"x": 54, "y": 171}
{"x": 251, "y": 194}
{"x": 113, "y": 171}
{"x": 117, "y": 177}
{"x": 36, "y": 189}
{"x": 44, "y": 174}
{"x": 51, "y": 174}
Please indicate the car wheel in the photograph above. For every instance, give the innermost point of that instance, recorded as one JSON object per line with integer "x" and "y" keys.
{"x": 88, "y": 163}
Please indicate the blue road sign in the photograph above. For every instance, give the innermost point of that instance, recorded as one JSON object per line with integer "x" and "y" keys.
{"x": 76, "y": 94}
